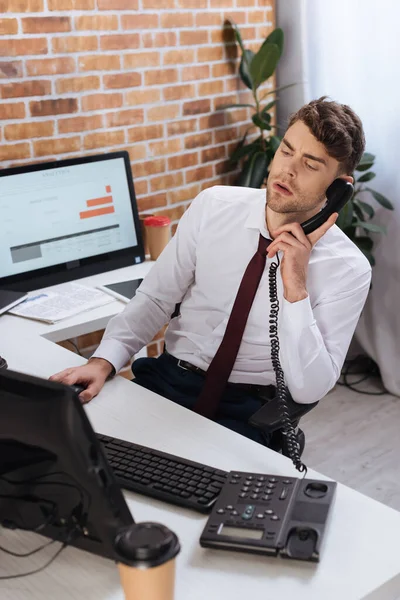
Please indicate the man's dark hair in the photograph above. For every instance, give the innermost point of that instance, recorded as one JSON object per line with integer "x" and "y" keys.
{"x": 337, "y": 127}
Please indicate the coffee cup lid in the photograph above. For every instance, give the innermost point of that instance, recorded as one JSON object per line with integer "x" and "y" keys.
{"x": 157, "y": 221}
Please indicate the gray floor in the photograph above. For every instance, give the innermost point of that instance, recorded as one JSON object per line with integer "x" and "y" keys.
{"x": 355, "y": 439}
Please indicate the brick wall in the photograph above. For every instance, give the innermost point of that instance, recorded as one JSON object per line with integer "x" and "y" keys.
{"x": 87, "y": 76}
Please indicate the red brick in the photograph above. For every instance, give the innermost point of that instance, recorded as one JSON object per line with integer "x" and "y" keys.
{"x": 23, "y": 47}
{"x": 174, "y": 213}
{"x": 142, "y": 97}
{"x": 222, "y": 167}
{"x": 179, "y": 127}
{"x": 225, "y": 135}
{"x": 125, "y": 117}
{"x": 101, "y": 101}
{"x": 141, "y": 134}
{"x": 163, "y": 113}
{"x": 80, "y": 124}
{"x": 141, "y": 187}
{"x": 10, "y": 69}
{"x": 140, "y": 21}
{"x": 192, "y": 4}
{"x": 136, "y": 152}
{"x": 8, "y": 26}
{"x": 99, "y": 62}
{"x": 19, "y": 6}
{"x": 122, "y": 80}
{"x": 141, "y": 59}
{"x": 26, "y": 88}
{"x": 42, "y": 108}
{"x": 158, "y": 4}
{"x": 103, "y": 139}
{"x": 198, "y": 174}
{"x": 125, "y": 41}
{"x": 12, "y": 111}
{"x": 46, "y": 24}
{"x": 158, "y": 40}
{"x": 179, "y": 92}
{"x": 213, "y": 120}
{"x": 183, "y": 161}
{"x": 50, "y": 66}
{"x": 160, "y": 76}
{"x": 178, "y": 57}
{"x": 164, "y": 182}
{"x": 153, "y": 201}
{"x": 14, "y": 151}
{"x": 210, "y": 88}
{"x": 214, "y": 153}
{"x": 150, "y": 167}
{"x": 223, "y": 69}
{"x": 118, "y": 4}
{"x": 77, "y": 84}
{"x": 210, "y": 54}
{"x": 204, "y": 19}
{"x": 24, "y": 131}
{"x": 222, "y": 3}
{"x": 186, "y": 193}
{"x": 71, "y": 4}
{"x": 196, "y": 107}
{"x": 168, "y": 147}
{"x": 96, "y": 22}
{"x": 201, "y": 139}
{"x": 75, "y": 44}
{"x": 198, "y": 72}
{"x": 193, "y": 38}
{"x": 57, "y": 146}
{"x": 172, "y": 20}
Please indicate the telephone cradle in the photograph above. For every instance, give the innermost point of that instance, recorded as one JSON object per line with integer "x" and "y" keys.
{"x": 271, "y": 515}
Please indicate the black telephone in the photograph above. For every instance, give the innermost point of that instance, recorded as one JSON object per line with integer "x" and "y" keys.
{"x": 272, "y": 414}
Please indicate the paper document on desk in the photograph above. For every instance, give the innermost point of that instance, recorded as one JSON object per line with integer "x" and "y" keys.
{"x": 64, "y": 301}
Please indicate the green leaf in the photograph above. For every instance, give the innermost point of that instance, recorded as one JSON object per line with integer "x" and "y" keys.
{"x": 279, "y": 89}
{"x": 259, "y": 122}
{"x": 244, "y": 68}
{"x": 367, "y": 208}
{"x": 237, "y": 35}
{"x": 358, "y": 212}
{"x": 241, "y": 150}
{"x": 225, "y": 106}
{"x": 371, "y": 227}
{"x": 366, "y": 177}
{"x": 345, "y": 217}
{"x": 276, "y": 37}
{"x": 264, "y": 64}
{"x": 367, "y": 157}
{"x": 364, "y": 166}
{"x": 246, "y": 177}
{"x": 268, "y": 107}
{"x": 364, "y": 242}
{"x": 381, "y": 199}
{"x": 274, "y": 142}
{"x": 259, "y": 169}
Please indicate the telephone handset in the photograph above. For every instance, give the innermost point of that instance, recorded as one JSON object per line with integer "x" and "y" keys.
{"x": 273, "y": 415}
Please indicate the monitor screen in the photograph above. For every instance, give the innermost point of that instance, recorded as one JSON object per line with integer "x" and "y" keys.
{"x": 63, "y": 216}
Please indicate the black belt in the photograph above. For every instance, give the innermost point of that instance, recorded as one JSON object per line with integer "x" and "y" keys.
{"x": 265, "y": 392}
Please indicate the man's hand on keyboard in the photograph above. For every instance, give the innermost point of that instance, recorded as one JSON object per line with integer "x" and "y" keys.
{"x": 92, "y": 376}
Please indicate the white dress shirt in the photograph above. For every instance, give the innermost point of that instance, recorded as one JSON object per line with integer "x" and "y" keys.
{"x": 202, "y": 267}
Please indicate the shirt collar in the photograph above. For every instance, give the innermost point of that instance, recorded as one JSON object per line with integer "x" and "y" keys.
{"x": 256, "y": 218}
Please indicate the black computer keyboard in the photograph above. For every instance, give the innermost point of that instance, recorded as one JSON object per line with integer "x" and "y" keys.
{"x": 164, "y": 476}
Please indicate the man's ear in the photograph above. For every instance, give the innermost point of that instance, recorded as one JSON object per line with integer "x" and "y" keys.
{"x": 348, "y": 178}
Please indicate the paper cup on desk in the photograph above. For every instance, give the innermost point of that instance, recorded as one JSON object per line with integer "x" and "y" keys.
{"x": 148, "y": 551}
{"x": 158, "y": 234}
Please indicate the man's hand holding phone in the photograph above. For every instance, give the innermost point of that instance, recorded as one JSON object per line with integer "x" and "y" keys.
{"x": 296, "y": 247}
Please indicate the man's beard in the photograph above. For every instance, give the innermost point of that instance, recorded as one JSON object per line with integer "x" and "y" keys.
{"x": 297, "y": 203}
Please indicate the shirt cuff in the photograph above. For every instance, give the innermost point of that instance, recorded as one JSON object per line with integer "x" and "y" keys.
{"x": 296, "y": 316}
{"x": 114, "y": 352}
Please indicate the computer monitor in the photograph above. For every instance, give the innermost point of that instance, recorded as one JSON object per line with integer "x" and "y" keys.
{"x": 67, "y": 219}
{"x": 54, "y": 477}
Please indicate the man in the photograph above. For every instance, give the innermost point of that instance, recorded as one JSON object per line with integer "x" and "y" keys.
{"x": 323, "y": 282}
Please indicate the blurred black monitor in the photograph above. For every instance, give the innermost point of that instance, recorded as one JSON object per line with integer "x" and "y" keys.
{"x": 54, "y": 476}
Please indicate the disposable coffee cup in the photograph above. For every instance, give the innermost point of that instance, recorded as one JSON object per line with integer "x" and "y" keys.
{"x": 147, "y": 554}
{"x": 158, "y": 233}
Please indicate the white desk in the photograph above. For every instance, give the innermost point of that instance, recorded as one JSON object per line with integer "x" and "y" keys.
{"x": 360, "y": 558}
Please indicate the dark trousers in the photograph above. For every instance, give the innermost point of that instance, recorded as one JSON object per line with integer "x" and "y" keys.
{"x": 163, "y": 376}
